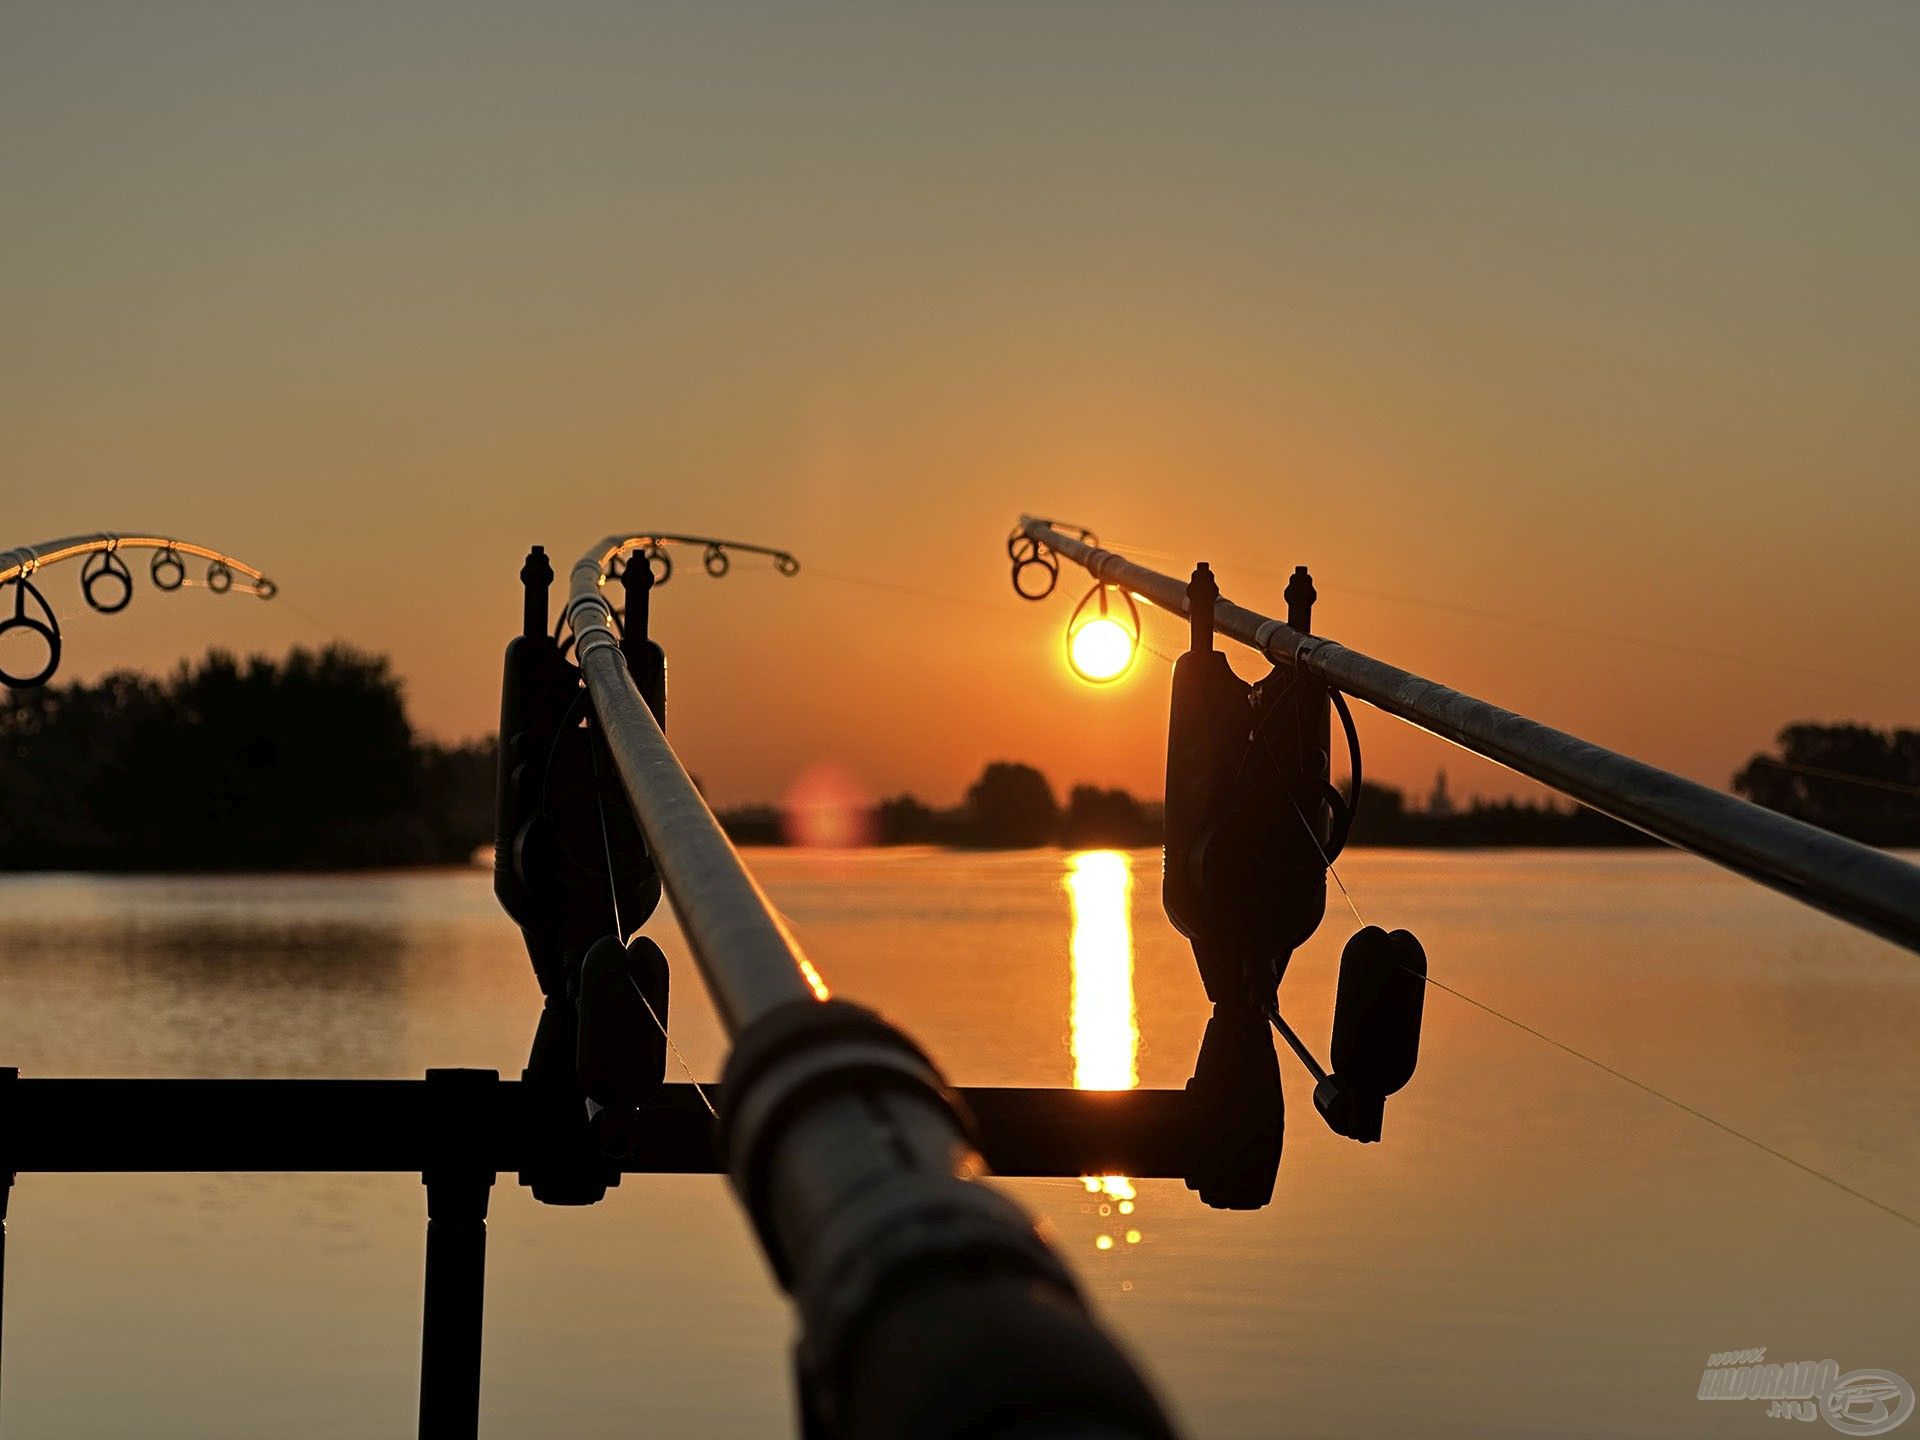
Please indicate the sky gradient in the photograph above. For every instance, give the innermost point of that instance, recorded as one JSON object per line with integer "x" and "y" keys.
{"x": 1603, "y": 318}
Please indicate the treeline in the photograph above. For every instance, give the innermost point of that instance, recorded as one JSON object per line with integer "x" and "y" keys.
{"x": 1385, "y": 819}
{"x": 310, "y": 762}
{"x": 1851, "y": 779}
{"x": 1012, "y": 806}
{"x": 258, "y": 764}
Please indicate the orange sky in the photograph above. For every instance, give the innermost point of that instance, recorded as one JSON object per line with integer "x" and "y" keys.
{"x": 1598, "y": 317}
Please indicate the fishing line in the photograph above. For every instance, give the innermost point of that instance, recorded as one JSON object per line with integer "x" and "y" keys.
{"x": 1677, "y": 1104}
{"x": 1602, "y": 1065}
{"x": 1157, "y": 654}
{"x": 613, "y": 890}
{"x": 305, "y": 614}
{"x": 1551, "y": 626}
{"x": 674, "y": 1048}
{"x": 1824, "y": 774}
{"x": 943, "y": 598}
{"x": 899, "y": 589}
{"x": 1345, "y": 894}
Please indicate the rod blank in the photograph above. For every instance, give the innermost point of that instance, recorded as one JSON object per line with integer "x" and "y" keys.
{"x": 750, "y": 961}
{"x": 26, "y": 559}
{"x": 1857, "y": 883}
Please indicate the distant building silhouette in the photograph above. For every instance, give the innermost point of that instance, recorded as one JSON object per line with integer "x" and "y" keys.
{"x": 1440, "y": 803}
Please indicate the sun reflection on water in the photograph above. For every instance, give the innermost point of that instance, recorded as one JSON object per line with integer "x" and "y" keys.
{"x": 1106, "y": 1031}
{"x": 1106, "y": 1025}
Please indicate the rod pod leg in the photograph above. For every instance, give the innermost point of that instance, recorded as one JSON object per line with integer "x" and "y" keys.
{"x": 6, "y": 1186}
{"x": 456, "y": 1273}
{"x": 8, "y": 1074}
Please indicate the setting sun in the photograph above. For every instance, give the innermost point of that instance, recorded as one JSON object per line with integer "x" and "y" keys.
{"x": 1100, "y": 651}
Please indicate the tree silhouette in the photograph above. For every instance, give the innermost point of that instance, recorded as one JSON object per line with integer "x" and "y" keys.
{"x": 1097, "y": 817}
{"x": 1851, "y": 779}
{"x": 307, "y": 762}
{"x": 903, "y": 820}
{"x": 1012, "y": 805}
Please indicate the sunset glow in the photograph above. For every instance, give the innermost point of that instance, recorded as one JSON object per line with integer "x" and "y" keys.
{"x": 826, "y": 809}
{"x": 754, "y": 492}
{"x": 1216, "y": 343}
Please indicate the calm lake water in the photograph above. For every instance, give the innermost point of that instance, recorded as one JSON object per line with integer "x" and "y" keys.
{"x": 1536, "y": 1249}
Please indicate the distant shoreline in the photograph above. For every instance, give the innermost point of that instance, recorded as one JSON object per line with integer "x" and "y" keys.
{"x": 485, "y": 867}
{"x": 1064, "y": 848}
{"x": 480, "y": 867}
{"x": 309, "y": 765}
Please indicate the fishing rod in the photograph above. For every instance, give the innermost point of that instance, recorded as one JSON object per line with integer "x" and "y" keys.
{"x": 1864, "y": 886}
{"x": 106, "y": 584}
{"x": 929, "y": 1304}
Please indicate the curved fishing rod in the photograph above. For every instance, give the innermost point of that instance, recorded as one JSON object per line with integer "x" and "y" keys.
{"x": 1859, "y": 884}
{"x": 653, "y": 546}
{"x": 107, "y": 584}
{"x": 929, "y": 1303}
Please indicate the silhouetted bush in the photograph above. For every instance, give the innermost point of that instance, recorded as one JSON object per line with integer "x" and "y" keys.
{"x": 753, "y": 825}
{"x": 903, "y": 820}
{"x": 1011, "y": 806}
{"x": 1850, "y": 779}
{"x": 1112, "y": 819}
